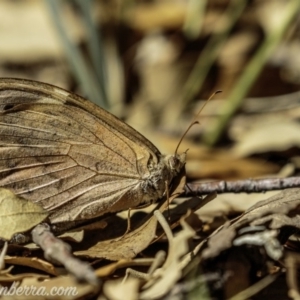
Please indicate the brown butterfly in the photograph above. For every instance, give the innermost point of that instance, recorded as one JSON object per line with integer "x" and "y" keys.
{"x": 75, "y": 159}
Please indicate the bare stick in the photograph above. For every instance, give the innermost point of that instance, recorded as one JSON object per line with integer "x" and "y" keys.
{"x": 60, "y": 252}
{"x": 242, "y": 186}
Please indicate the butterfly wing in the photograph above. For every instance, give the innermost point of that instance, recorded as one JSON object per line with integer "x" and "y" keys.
{"x": 64, "y": 152}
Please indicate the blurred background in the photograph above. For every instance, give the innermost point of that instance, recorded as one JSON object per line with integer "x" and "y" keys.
{"x": 154, "y": 63}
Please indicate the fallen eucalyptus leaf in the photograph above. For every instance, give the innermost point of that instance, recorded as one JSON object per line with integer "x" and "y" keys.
{"x": 18, "y": 214}
{"x": 32, "y": 262}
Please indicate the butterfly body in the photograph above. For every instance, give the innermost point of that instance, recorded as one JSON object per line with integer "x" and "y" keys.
{"x": 75, "y": 159}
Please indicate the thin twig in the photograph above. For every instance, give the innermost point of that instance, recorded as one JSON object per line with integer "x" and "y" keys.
{"x": 241, "y": 186}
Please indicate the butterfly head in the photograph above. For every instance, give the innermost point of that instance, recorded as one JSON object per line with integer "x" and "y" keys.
{"x": 176, "y": 162}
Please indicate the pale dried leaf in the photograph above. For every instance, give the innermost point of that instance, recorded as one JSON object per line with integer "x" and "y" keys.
{"x": 261, "y": 138}
{"x": 270, "y": 15}
{"x": 32, "y": 262}
{"x": 116, "y": 290}
{"x": 74, "y": 236}
{"x": 225, "y": 204}
{"x": 18, "y": 214}
{"x": 27, "y": 33}
{"x": 149, "y": 16}
{"x": 276, "y": 212}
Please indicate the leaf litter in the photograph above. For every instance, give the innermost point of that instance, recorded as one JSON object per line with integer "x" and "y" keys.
{"x": 241, "y": 252}
{"x": 258, "y": 233}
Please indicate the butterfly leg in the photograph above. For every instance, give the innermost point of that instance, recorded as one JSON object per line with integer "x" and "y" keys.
{"x": 128, "y": 222}
{"x": 58, "y": 251}
{"x": 2, "y": 255}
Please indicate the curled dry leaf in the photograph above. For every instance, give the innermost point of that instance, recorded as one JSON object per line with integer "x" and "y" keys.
{"x": 18, "y": 214}
{"x": 277, "y": 212}
{"x": 32, "y": 262}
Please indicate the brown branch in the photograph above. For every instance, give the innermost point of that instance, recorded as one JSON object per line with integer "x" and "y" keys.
{"x": 241, "y": 186}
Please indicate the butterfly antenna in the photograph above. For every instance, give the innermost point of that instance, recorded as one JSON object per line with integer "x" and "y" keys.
{"x": 195, "y": 122}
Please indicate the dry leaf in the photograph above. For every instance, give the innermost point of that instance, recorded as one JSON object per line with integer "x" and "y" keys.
{"x": 18, "y": 214}
{"x": 75, "y": 236}
{"x": 226, "y": 204}
{"x": 116, "y": 290}
{"x": 27, "y": 33}
{"x": 243, "y": 250}
{"x": 277, "y": 212}
{"x": 149, "y": 16}
{"x": 32, "y": 262}
{"x": 261, "y": 138}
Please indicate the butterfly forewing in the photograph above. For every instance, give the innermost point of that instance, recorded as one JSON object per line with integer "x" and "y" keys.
{"x": 64, "y": 152}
